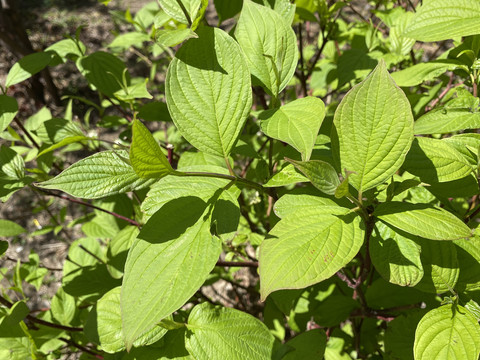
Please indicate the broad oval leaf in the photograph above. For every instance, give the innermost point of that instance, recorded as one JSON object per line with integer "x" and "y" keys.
{"x": 102, "y": 174}
{"x": 418, "y": 73}
{"x": 295, "y": 203}
{"x": 444, "y": 121}
{"x": 373, "y": 130}
{"x": 320, "y": 173}
{"x": 219, "y": 333}
{"x": 170, "y": 260}
{"x": 423, "y": 220}
{"x": 8, "y": 110}
{"x": 104, "y": 325}
{"x": 448, "y": 332}
{"x": 308, "y": 247}
{"x": 146, "y": 157}
{"x": 435, "y": 160}
{"x": 296, "y": 123}
{"x": 28, "y": 66}
{"x": 208, "y": 91}
{"x": 438, "y": 20}
{"x": 271, "y": 55}
{"x": 395, "y": 256}
{"x": 10, "y": 228}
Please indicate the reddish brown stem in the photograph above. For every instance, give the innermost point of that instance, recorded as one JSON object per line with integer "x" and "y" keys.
{"x": 237, "y": 263}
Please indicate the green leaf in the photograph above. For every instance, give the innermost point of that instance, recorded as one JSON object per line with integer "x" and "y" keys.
{"x": 104, "y": 71}
{"x": 373, "y": 130}
{"x": 27, "y": 67}
{"x": 400, "y": 335}
{"x": 448, "y": 332}
{"x": 440, "y": 266}
{"x": 55, "y": 130}
{"x": 125, "y": 41}
{"x": 104, "y": 325}
{"x": 9, "y": 228}
{"x": 271, "y": 55}
{"x": 3, "y": 247}
{"x": 174, "y": 9}
{"x": 64, "y": 142}
{"x": 172, "y": 257}
{"x": 227, "y": 9}
{"x": 307, "y": 247}
{"x": 419, "y": 73}
{"x": 11, "y": 163}
{"x": 395, "y": 256}
{"x": 132, "y": 92}
{"x": 423, "y": 220}
{"x": 296, "y": 123}
{"x": 67, "y": 47}
{"x": 146, "y": 157}
{"x": 15, "y": 348}
{"x": 208, "y": 91}
{"x": 293, "y": 203}
{"x": 100, "y": 175}
{"x": 435, "y": 160}
{"x": 468, "y": 254}
{"x": 308, "y": 345}
{"x": 8, "y": 110}
{"x": 118, "y": 248}
{"x": 218, "y": 333}
{"x": 286, "y": 176}
{"x": 320, "y": 173}
{"x": 443, "y": 121}
{"x": 173, "y": 37}
{"x": 63, "y": 307}
{"x": 438, "y": 20}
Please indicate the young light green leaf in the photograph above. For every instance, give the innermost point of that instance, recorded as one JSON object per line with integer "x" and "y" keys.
{"x": 423, "y": 220}
{"x": 172, "y": 257}
{"x": 296, "y": 203}
{"x": 296, "y": 123}
{"x": 67, "y": 47}
{"x": 132, "y": 92}
{"x": 435, "y": 160}
{"x": 448, "y": 332}
{"x": 11, "y": 163}
{"x": 286, "y": 176}
{"x": 100, "y": 175}
{"x": 373, "y": 130}
{"x": 63, "y": 307}
{"x": 125, "y": 41}
{"x": 395, "y": 256}
{"x": 438, "y": 20}
{"x": 64, "y": 142}
{"x": 417, "y": 74}
{"x": 320, "y": 173}
{"x": 444, "y": 121}
{"x": 146, "y": 157}
{"x": 10, "y": 228}
{"x": 173, "y": 37}
{"x": 28, "y": 66}
{"x": 8, "y": 110}
{"x": 308, "y": 247}
{"x": 271, "y": 55}
{"x": 208, "y": 91}
{"x": 104, "y": 325}
{"x": 218, "y": 333}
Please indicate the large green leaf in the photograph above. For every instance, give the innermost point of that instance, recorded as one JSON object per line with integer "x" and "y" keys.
{"x": 27, "y": 66}
{"x": 146, "y": 157}
{"x": 295, "y": 203}
{"x": 395, "y": 256}
{"x": 174, "y": 9}
{"x": 423, "y": 220}
{"x": 320, "y": 173}
{"x": 307, "y": 247}
{"x": 435, "y": 160}
{"x": 440, "y": 266}
{"x": 296, "y": 123}
{"x": 468, "y": 254}
{"x": 172, "y": 257}
{"x": 448, "y": 332}
{"x": 400, "y": 335}
{"x": 104, "y": 71}
{"x": 438, "y": 20}
{"x": 104, "y": 325}
{"x": 208, "y": 91}
{"x": 417, "y": 74}
{"x": 373, "y": 130}
{"x": 269, "y": 44}
{"x": 444, "y": 121}
{"x": 218, "y": 333}
{"x": 8, "y": 110}
{"x": 102, "y": 174}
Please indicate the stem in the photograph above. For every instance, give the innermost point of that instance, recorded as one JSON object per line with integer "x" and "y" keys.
{"x": 91, "y": 254}
{"x": 301, "y": 74}
{"x": 39, "y": 265}
{"x": 27, "y": 134}
{"x": 33, "y": 319}
{"x": 80, "y": 347}
{"x": 76, "y": 201}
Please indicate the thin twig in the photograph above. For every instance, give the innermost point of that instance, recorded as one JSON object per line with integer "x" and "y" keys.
{"x": 28, "y": 263}
{"x": 237, "y": 263}
{"x": 27, "y": 134}
{"x": 441, "y": 95}
{"x": 76, "y": 201}
{"x": 81, "y": 347}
